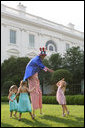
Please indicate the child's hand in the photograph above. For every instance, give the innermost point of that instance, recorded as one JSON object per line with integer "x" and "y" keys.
{"x": 11, "y": 100}
{"x": 63, "y": 79}
{"x": 34, "y": 89}
{"x": 14, "y": 98}
{"x": 57, "y": 84}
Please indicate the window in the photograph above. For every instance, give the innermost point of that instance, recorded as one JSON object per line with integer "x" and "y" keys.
{"x": 67, "y": 46}
{"x": 51, "y": 45}
{"x": 31, "y": 40}
{"x": 13, "y": 36}
{"x": 50, "y": 48}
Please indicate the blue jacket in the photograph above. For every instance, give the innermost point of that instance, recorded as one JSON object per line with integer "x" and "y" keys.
{"x": 35, "y": 65}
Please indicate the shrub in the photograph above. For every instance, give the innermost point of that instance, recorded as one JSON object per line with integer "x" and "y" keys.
{"x": 71, "y": 100}
{"x": 4, "y": 99}
{"x": 49, "y": 99}
{"x": 61, "y": 73}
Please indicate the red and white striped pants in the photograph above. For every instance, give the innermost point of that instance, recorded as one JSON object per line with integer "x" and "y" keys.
{"x": 36, "y": 96}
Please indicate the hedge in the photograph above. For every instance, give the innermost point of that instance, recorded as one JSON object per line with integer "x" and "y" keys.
{"x": 71, "y": 100}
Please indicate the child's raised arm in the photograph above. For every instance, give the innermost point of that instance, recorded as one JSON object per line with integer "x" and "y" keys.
{"x": 17, "y": 93}
{"x": 58, "y": 83}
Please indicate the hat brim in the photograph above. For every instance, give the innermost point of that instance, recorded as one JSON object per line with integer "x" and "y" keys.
{"x": 42, "y": 54}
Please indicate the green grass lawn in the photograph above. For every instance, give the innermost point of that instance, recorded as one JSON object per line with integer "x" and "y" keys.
{"x": 52, "y": 117}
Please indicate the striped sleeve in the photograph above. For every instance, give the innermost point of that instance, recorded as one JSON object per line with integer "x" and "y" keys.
{"x": 45, "y": 69}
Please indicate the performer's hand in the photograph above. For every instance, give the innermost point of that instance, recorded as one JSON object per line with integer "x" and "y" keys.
{"x": 50, "y": 70}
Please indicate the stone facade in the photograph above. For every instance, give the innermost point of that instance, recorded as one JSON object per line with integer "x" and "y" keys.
{"x": 22, "y": 34}
{"x": 55, "y": 36}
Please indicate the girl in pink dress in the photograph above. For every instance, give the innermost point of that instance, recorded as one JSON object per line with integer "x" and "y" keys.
{"x": 60, "y": 95}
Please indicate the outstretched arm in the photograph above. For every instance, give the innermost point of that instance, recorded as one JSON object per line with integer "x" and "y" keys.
{"x": 50, "y": 70}
{"x": 42, "y": 66}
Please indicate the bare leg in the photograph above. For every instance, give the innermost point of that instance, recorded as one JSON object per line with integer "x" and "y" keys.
{"x": 15, "y": 114}
{"x": 66, "y": 110}
{"x": 11, "y": 114}
{"x": 20, "y": 116}
{"x": 31, "y": 115}
{"x": 63, "y": 110}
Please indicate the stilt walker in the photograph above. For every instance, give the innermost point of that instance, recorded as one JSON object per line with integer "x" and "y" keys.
{"x": 31, "y": 74}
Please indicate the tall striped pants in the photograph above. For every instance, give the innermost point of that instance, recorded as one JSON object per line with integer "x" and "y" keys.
{"x": 36, "y": 95}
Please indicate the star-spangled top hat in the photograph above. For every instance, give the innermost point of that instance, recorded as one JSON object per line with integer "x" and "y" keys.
{"x": 43, "y": 51}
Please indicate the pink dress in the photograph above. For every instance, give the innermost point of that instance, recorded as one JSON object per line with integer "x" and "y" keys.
{"x": 36, "y": 96}
{"x": 60, "y": 96}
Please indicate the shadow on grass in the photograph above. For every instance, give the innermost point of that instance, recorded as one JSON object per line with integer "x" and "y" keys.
{"x": 6, "y": 125}
{"x": 36, "y": 123}
{"x": 78, "y": 122}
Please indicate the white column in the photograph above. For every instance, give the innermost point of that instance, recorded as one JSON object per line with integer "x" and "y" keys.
{"x": 23, "y": 43}
{"x": 4, "y": 42}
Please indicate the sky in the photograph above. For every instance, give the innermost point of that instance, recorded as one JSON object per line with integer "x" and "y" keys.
{"x": 61, "y": 12}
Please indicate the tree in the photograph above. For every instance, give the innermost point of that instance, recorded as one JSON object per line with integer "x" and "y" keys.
{"x": 55, "y": 61}
{"x": 73, "y": 61}
{"x": 13, "y": 69}
{"x": 6, "y": 86}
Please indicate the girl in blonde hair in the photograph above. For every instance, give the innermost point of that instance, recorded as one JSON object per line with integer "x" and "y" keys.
{"x": 60, "y": 95}
{"x": 24, "y": 104}
{"x": 12, "y": 103}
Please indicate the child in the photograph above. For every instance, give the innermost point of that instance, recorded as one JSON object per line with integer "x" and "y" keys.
{"x": 12, "y": 103}
{"x": 60, "y": 95}
{"x": 24, "y": 104}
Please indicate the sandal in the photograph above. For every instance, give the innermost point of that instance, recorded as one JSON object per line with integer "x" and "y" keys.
{"x": 67, "y": 112}
{"x": 64, "y": 115}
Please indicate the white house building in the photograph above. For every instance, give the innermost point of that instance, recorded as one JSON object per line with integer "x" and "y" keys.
{"x": 22, "y": 34}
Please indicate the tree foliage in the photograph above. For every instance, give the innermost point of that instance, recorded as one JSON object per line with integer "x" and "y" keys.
{"x": 13, "y": 69}
{"x": 55, "y": 61}
{"x": 73, "y": 61}
{"x": 61, "y": 73}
